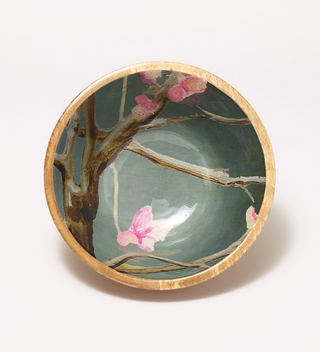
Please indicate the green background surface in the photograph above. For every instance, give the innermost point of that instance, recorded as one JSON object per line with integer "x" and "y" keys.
{"x": 215, "y": 215}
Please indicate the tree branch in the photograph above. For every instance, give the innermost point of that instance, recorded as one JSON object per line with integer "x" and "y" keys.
{"x": 91, "y": 137}
{"x": 123, "y": 98}
{"x": 119, "y": 262}
{"x": 217, "y": 176}
{"x": 115, "y": 196}
{"x": 122, "y": 134}
{"x": 64, "y": 161}
{"x": 227, "y": 120}
{"x": 163, "y": 121}
{"x": 159, "y": 122}
{"x": 101, "y": 133}
{"x": 114, "y": 263}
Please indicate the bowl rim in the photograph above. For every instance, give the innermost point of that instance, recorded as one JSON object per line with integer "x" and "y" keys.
{"x": 162, "y": 284}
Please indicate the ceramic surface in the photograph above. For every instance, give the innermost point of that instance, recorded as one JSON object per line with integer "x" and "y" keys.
{"x": 159, "y": 175}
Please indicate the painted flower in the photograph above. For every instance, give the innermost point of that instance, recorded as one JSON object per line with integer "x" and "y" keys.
{"x": 144, "y": 231}
{"x": 193, "y": 85}
{"x": 187, "y": 86}
{"x": 145, "y": 107}
{"x": 176, "y": 93}
{"x": 251, "y": 217}
{"x": 150, "y": 76}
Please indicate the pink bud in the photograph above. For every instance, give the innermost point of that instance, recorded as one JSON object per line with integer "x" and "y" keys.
{"x": 251, "y": 217}
{"x": 145, "y": 107}
{"x": 193, "y": 85}
{"x": 141, "y": 99}
{"x": 187, "y": 86}
{"x": 150, "y": 76}
{"x": 176, "y": 93}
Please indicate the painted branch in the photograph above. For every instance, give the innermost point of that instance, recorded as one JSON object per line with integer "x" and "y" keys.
{"x": 64, "y": 161}
{"x": 159, "y": 122}
{"x": 114, "y": 263}
{"x": 128, "y": 269}
{"x": 101, "y": 133}
{"x": 81, "y": 202}
{"x": 217, "y": 176}
{"x": 91, "y": 138}
{"x": 122, "y": 134}
{"x": 115, "y": 196}
{"x": 163, "y": 121}
{"x": 230, "y": 121}
{"x": 59, "y": 163}
{"x": 123, "y": 98}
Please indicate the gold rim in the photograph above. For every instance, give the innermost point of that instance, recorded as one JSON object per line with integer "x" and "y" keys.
{"x": 172, "y": 283}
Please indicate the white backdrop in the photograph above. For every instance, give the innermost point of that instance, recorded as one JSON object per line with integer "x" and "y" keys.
{"x": 270, "y": 52}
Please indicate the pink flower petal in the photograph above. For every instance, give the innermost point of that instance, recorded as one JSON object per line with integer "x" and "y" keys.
{"x": 193, "y": 85}
{"x": 126, "y": 237}
{"x": 251, "y": 217}
{"x": 187, "y": 86}
{"x": 147, "y": 244}
{"x": 176, "y": 93}
{"x": 142, "y": 219}
{"x": 145, "y": 107}
{"x": 144, "y": 231}
{"x": 150, "y": 76}
{"x": 141, "y": 99}
{"x": 150, "y": 106}
{"x": 160, "y": 229}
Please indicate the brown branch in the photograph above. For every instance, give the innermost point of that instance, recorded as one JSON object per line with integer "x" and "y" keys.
{"x": 122, "y": 134}
{"x": 227, "y": 120}
{"x": 64, "y": 161}
{"x": 59, "y": 162}
{"x": 159, "y": 122}
{"x": 128, "y": 269}
{"x": 217, "y": 176}
{"x": 91, "y": 138}
{"x": 114, "y": 263}
{"x": 248, "y": 193}
{"x": 123, "y": 97}
{"x": 101, "y": 133}
{"x": 163, "y": 121}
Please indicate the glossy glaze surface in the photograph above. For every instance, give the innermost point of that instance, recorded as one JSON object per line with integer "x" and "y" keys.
{"x": 159, "y": 175}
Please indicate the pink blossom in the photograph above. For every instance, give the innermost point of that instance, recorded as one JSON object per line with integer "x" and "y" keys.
{"x": 145, "y": 107}
{"x": 144, "y": 231}
{"x": 176, "y": 93}
{"x": 251, "y": 217}
{"x": 150, "y": 76}
{"x": 187, "y": 86}
{"x": 193, "y": 84}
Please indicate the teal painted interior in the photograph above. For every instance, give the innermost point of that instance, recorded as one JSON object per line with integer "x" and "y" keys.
{"x": 214, "y": 215}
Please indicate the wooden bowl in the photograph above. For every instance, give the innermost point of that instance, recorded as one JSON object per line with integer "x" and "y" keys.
{"x": 159, "y": 175}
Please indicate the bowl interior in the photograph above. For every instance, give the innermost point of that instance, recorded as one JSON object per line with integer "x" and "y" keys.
{"x": 148, "y": 208}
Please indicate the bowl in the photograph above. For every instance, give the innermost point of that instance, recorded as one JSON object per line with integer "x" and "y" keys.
{"x": 159, "y": 175}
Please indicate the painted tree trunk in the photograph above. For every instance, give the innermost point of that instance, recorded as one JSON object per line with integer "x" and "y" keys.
{"x": 80, "y": 212}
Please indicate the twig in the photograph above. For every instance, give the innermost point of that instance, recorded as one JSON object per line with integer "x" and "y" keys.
{"x": 115, "y": 196}
{"x": 122, "y": 134}
{"x": 116, "y": 262}
{"x": 227, "y": 120}
{"x": 218, "y": 176}
{"x": 102, "y": 133}
{"x": 123, "y": 98}
{"x": 128, "y": 269}
{"x": 247, "y": 191}
{"x": 163, "y": 121}
{"x": 64, "y": 161}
